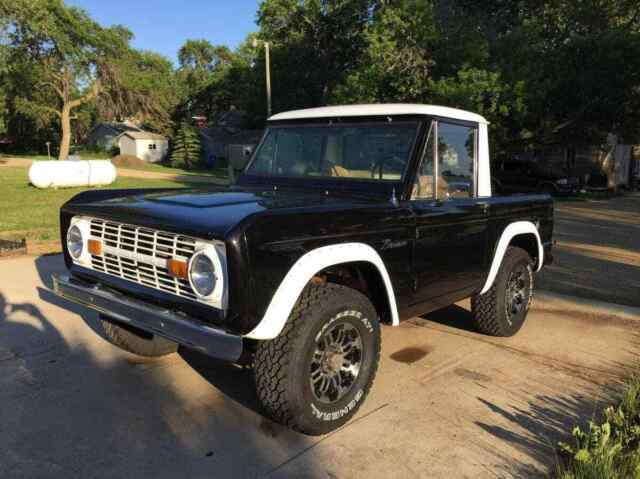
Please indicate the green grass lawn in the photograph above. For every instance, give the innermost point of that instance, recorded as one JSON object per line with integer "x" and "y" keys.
{"x": 32, "y": 213}
{"x": 220, "y": 172}
{"x": 85, "y": 155}
{"x": 161, "y": 168}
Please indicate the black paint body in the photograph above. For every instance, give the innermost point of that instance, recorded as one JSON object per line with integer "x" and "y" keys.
{"x": 436, "y": 252}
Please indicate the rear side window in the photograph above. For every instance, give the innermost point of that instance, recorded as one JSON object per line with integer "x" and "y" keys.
{"x": 423, "y": 185}
{"x": 456, "y": 160}
{"x": 448, "y": 165}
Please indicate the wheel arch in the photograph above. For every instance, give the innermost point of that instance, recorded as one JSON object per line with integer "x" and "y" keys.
{"x": 363, "y": 276}
{"x": 522, "y": 234}
{"x": 322, "y": 264}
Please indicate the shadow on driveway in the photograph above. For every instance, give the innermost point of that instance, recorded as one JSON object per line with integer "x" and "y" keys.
{"x": 72, "y": 405}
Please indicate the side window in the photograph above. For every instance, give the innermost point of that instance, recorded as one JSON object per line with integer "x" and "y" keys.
{"x": 456, "y": 161}
{"x": 423, "y": 185}
{"x": 263, "y": 164}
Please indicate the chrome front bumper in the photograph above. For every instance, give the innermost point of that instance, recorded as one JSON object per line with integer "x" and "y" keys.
{"x": 153, "y": 319}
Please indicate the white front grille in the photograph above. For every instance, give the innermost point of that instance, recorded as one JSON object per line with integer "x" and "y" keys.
{"x": 140, "y": 255}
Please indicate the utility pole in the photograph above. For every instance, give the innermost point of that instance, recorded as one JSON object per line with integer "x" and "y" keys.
{"x": 267, "y": 61}
{"x": 268, "y": 71}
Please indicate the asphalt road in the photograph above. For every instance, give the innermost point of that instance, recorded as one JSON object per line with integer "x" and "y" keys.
{"x": 447, "y": 402}
{"x": 597, "y": 255}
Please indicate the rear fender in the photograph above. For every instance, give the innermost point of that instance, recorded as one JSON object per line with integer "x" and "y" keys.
{"x": 509, "y": 233}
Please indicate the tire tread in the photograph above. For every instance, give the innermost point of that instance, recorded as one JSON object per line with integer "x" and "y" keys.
{"x": 273, "y": 356}
{"x": 131, "y": 343}
{"x": 484, "y": 307}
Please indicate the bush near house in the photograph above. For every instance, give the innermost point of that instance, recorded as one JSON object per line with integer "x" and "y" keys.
{"x": 610, "y": 447}
{"x": 186, "y": 151}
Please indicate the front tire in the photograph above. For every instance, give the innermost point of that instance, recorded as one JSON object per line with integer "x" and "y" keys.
{"x": 137, "y": 342}
{"x": 316, "y": 374}
{"x": 502, "y": 310}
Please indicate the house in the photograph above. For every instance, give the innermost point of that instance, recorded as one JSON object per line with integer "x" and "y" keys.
{"x": 220, "y": 142}
{"x": 213, "y": 141}
{"x": 103, "y": 135}
{"x": 606, "y": 166}
{"x": 240, "y": 146}
{"x": 145, "y": 145}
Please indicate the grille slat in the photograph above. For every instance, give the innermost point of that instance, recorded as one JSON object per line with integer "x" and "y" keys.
{"x": 125, "y": 246}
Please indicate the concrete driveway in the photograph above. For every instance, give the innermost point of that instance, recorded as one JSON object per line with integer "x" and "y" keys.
{"x": 447, "y": 402}
{"x": 597, "y": 255}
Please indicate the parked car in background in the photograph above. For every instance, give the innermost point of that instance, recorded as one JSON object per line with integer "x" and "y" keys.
{"x": 526, "y": 176}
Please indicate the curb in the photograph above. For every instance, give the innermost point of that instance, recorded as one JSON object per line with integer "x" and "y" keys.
{"x": 553, "y": 302}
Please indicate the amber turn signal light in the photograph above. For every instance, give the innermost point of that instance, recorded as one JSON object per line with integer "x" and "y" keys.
{"x": 177, "y": 268}
{"x": 95, "y": 247}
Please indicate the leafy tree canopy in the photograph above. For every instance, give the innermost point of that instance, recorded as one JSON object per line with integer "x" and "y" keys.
{"x": 62, "y": 60}
{"x": 561, "y": 71}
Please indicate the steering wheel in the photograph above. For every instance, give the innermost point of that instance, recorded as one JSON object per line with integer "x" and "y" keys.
{"x": 379, "y": 165}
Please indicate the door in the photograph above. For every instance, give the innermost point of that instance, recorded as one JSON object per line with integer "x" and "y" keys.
{"x": 451, "y": 222}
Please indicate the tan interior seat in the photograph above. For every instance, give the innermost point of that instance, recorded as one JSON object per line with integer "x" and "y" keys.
{"x": 423, "y": 188}
{"x": 337, "y": 170}
{"x": 342, "y": 172}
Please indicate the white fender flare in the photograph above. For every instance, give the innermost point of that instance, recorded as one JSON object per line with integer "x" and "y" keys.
{"x": 303, "y": 270}
{"x": 511, "y": 231}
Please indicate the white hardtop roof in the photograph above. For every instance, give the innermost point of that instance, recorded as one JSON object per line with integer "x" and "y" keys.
{"x": 381, "y": 109}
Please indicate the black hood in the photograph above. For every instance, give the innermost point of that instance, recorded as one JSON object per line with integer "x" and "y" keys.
{"x": 207, "y": 214}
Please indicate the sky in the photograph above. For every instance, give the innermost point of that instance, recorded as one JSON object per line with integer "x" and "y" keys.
{"x": 164, "y": 25}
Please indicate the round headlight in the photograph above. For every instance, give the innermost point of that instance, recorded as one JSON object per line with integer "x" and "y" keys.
{"x": 75, "y": 243}
{"x": 202, "y": 274}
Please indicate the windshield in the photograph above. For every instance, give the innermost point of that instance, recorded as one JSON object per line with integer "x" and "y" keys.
{"x": 374, "y": 152}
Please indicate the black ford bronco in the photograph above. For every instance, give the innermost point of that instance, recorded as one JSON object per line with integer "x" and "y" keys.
{"x": 344, "y": 218}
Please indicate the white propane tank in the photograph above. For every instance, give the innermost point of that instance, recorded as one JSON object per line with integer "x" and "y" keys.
{"x": 62, "y": 174}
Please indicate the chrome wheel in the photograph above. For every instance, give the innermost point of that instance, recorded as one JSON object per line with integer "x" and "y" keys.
{"x": 336, "y": 362}
{"x": 516, "y": 297}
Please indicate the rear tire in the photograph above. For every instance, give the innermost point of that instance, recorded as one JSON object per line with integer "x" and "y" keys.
{"x": 316, "y": 374}
{"x": 139, "y": 343}
{"x": 502, "y": 310}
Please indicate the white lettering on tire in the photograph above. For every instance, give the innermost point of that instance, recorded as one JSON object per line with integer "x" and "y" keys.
{"x": 354, "y": 314}
{"x": 335, "y": 415}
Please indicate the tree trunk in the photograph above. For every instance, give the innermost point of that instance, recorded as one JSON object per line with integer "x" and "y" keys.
{"x": 65, "y": 123}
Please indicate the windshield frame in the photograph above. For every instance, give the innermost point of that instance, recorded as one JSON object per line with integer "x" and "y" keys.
{"x": 329, "y": 183}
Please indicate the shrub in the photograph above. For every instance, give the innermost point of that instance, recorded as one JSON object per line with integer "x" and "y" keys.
{"x": 610, "y": 448}
{"x": 186, "y": 152}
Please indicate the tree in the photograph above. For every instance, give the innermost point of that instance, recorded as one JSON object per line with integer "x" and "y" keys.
{"x": 69, "y": 53}
{"x": 397, "y": 61}
{"x": 141, "y": 85}
{"x": 62, "y": 60}
{"x": 486, "y": 92}
{"x": 578, "y": 62}
{"x": 316, "y": 43}
{"x": 186, "y": 152}
{"x": 4, "y": 84}
{"x": 203, "y": 67}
